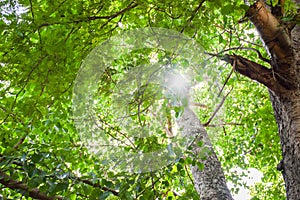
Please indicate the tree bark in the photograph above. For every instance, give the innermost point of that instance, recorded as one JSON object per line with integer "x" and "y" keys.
{"x": 283, "y": 45}
{"x": 282, "y": 41}
{"x": 286, "y": 105}
{"x": 210, "y": 181}
{"x": 287, "y": 114}
{"x": 283, "y": 81}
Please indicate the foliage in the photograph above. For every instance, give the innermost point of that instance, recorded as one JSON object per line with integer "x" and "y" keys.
{"x": 43, "y": 46}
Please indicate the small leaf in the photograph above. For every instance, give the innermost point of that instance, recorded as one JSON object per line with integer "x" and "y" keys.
{"x": 200, "y": 165}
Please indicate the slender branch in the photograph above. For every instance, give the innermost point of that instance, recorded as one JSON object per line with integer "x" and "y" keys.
{"x": 91, "y": 18}
{"x": 227, "y": 79}
{"x": 31, "y": 10}
{"x": 97, "y": 185}
{"x": 225, "y": 124}
{"x": 22, "y": 139}
{"x": 217, "y": 109}
{"x": 193, "y": 15}
{"x": 35, "y": 193}
{"x": 246, "y": 48}
{"x": 252, "y": 43}
{"x": 201, "y": 105}
{"x": 144, "y": 190}
{"x": 252, "y": 49}
{"x": 188, "y": 173}
{"x": 168, "y": 14}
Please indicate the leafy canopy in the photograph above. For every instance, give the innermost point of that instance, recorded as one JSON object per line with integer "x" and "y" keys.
{"x": 43, "y": 46}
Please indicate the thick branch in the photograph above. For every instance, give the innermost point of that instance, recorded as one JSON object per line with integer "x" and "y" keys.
{"x": 271, "y": 31}
{"x": 253, "y": 71}
{"x": 279, "y": 44}
{"x": 35, "y": 193}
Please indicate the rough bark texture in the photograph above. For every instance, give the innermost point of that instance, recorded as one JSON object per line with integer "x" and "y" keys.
{"x": 210, "y": 181}
{"x": 282, "y": 41}
{"x": 283, "y": 45}
{"x": 284, "y": 50}
{"x": 277, "y": 40}
{"x": 287, "y": 114}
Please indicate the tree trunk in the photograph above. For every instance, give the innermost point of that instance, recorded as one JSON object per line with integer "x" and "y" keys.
{"x": 287, "y": 114}
{"x": 286, "y": 105}
{"x": 283, "y": 81}
{"x": 283, "y": 45}
{"x": 210, "y": 181}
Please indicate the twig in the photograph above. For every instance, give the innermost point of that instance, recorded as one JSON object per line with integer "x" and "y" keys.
{"x": 91, "y": 18}
{"x": 144, "y": 190}
{"x": 19, "y": 142}
{"x": 189, "y": 174}
{"x": 31, "y": 10}
{"x": 193, "y": 15}
{"x": 88, "y": 182}
{"x": 228, "y": 77}
{"x": 225, "y": 124}
{"x": 199, "y": 105}
{"x": 217, "y": 109}
{"x": 240, "y": 48}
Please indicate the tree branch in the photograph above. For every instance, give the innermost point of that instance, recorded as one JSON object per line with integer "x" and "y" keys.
{"x": 91, "y": 18}
{"x": 253, "y": 71}
{"x": 97, "y": 185}
{"x": 21, "y": 140}
{"x": 217, "y": 109}
{"x": 247, "y": 48}
{"x": 271, "y": 31}
{"x": 193, "y": 15}
{"x": 35, "y": 193}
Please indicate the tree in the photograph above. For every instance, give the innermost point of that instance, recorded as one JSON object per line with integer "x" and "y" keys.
{"x": 282, "y": 80}
{"x": 283, "y": 84}
{"x": 44, "y": 44}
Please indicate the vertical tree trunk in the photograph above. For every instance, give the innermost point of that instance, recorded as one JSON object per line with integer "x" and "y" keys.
{"x": 287, "y": 114}
{"x": 210, "y": 181}
{"x": 286, "y": 105}
{"x": 283, "y": 80}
